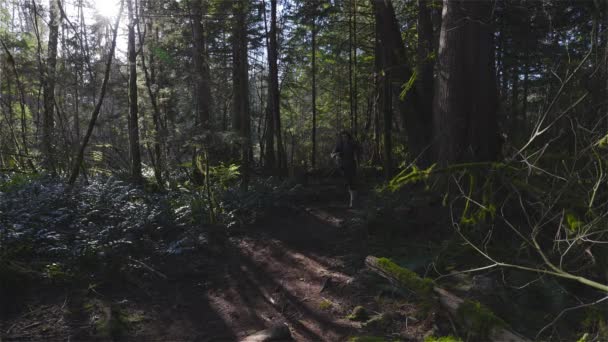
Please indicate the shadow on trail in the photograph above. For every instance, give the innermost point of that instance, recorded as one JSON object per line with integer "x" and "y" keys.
{"x": 279, "y": 299}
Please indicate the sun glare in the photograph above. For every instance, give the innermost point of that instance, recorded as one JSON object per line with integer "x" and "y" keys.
{"x": 107, "y": 8}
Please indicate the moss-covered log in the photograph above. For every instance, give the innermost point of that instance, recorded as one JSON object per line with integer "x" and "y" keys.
{"x": 476, "y": 319}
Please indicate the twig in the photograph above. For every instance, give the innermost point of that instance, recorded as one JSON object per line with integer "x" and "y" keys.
{"x": 566, "y": 310}
{"x": 149, "y": 268}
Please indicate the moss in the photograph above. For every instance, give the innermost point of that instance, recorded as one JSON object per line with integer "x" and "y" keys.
{"x": 422, "y": 287}
{"x": 478, "y": 319}
{"x": 379, "y": 322}
{"x": 325, "y": 304}
{"x": 367, "y": 339}
{"x": 408, "y": 279}
{"x": 449, "y": 338}
{"x": 359, "y": 314}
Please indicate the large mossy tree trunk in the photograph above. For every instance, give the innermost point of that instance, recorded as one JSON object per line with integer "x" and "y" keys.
{"x": 465, "y": 103}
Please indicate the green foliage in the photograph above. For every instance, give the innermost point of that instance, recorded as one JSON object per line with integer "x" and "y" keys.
{"x": 408, "y": 86}
{"x": 596, "y": 323}
{"x": 574, "y": 224}
{"x": 17, "y": 180}
{"x": 409, "y": 176}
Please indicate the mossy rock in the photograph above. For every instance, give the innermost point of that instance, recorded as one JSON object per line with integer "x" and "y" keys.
{"x": 359, "y": 314}
{"x": 479, "y": 320}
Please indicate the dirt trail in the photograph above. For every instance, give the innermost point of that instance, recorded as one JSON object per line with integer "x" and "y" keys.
{"x": 295, "y": 272}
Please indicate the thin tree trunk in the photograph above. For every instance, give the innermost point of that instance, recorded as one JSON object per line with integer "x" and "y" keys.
{"x": 49, "y": 88}
{"x": 314, "y": 94}
{"x": 274, "y": 75}
{"x": 201, "y": 67}
{"x": 355, "y": 90}
{"x": 350, "y": 67}
{"x": 78, "y": 160}
{"x": 156, "y": 115}
{"x": 133, "y": 106}
{"x": 269, "y": 131}
{"x": 241, "y": 87}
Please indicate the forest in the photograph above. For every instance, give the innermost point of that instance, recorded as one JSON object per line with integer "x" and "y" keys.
{"x": 304, "y": 170}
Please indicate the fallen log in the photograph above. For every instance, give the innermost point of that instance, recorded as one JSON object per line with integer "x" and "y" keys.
{"x": 476, "y": 319}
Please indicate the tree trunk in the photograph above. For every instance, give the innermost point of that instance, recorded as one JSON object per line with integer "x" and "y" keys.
{"x": 274, "y": 84}
{"x": 424, "y": 82}
{"x": 465, "y": 102}
{"x": 80, "y": 156}
{"x": 515, "y": 91}
{"x": 355, "y": 85}
{"x": 390, "y": 51}
{"x": 133, "y": 106}
{"x": 240, "y": 83}
{"x": 49, "y": 89}
{"x": 314, "y": 94}
{"x": 159, "y": 131}
{"x": 202, "y": 96}
{"x": 269, "y": 131}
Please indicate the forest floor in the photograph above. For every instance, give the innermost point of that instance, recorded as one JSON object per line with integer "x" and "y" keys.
{"x": 301, "y": 266}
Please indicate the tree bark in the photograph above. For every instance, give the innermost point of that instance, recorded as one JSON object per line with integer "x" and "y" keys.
{"x": 240, "y": 83}
{"x": 159, "y": 131}
{"x": 49, "y": 89}
{"x": 390, "y": 51}
{"x": 314, "y": 93}
{"x": 465, "y": 103}
{"x": 133, "y": 106}
{"x": 424, "y": 83}
{"x": 202, "y": 98}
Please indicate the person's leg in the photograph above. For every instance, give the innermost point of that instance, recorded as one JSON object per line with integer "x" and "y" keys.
{"x": 352, "y": 191}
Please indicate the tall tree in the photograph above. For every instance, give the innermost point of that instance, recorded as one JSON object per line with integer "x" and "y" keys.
{"x": 133, "y": 106}
{"x": 273, "y": 109}
{"x": 49, "y": 87}
{"x": 465, "y": 101}
{"x": 313, "y": 157}
{"x": 202, "y": 96}
{"x": 424, "y": 83}
{"x": 240, "y": 84}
